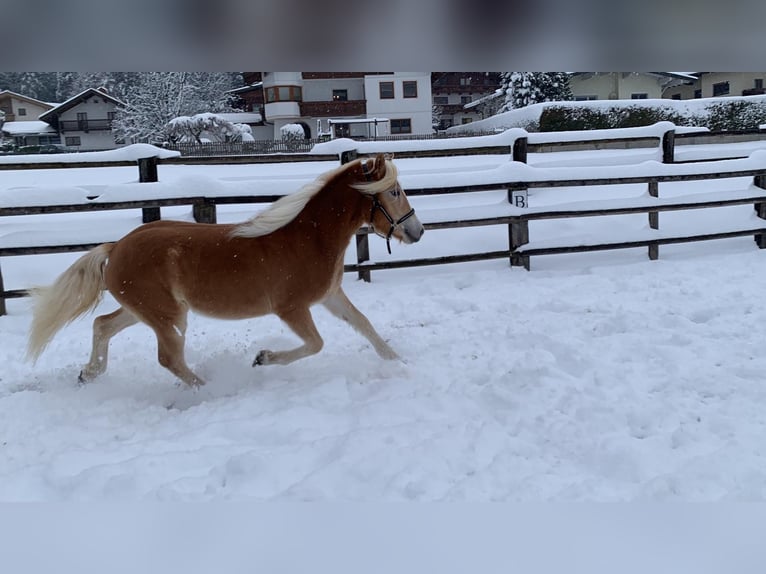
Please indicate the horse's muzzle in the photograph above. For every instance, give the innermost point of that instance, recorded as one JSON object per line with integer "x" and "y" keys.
{"x": 413, "y": 230}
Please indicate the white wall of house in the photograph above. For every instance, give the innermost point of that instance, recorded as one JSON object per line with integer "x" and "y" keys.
{"x": 738, "y": 82}
{"x": 97, "y": 109}
{"x": 615, "y": 86}
{"x": 23, "y": 110}
{"x": 416, "y": 109}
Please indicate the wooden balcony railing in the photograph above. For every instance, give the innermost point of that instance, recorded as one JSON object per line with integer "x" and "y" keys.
{"x": 85, "y": 125}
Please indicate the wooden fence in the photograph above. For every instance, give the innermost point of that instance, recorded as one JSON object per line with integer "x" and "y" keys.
{"x": 519, "y": 248}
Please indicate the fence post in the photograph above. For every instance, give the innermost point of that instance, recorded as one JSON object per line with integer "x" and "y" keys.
{"x": 362, "y": 239}
{"x": 147, "y": 173}
{"x": 204, "y": 211}
{"x": 760, "y": 210}
{"x": 519, "y": 152}
{"x": 518, "y": 235}
{"x": 654, "y": 219}
{"x": 668, "y": 146}
{"x": 2, "y": 295}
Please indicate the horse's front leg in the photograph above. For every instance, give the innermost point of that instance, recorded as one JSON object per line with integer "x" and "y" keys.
{"x": 339, "y": 305}
{"x": 302, "y": 324}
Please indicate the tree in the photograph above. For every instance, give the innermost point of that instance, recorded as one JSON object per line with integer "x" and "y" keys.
{"x": 523, "y": 89}
{"x": 191, "y": 129}
{"x": 160, "y": 97}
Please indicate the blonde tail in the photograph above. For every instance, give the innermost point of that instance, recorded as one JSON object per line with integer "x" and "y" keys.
{"x": 77, "y": 290}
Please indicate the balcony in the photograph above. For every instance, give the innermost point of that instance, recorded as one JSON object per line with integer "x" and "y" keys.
{"x": 333, "y": 109}
{"x": 85, "y": 125}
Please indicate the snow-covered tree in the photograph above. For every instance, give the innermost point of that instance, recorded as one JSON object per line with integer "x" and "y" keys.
{"x": 192, "y": 129}
{"x": 436, "y": 117}
{"x": 523, "y": 89}
{"x": 160, "y": 97}
{"x": 292, "y": 132}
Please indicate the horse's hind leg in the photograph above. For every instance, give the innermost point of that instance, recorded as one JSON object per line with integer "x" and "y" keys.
{"x": 340, "y": 306}
{"x": 104, "y": 328}
{"x": 171, "y": 339}
{"x": 302, "y": 324}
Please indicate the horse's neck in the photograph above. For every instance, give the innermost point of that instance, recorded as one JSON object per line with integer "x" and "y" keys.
{"x": 334, "y": 216}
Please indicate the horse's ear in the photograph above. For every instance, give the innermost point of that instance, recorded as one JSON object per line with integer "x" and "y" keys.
{"x": 379, "y": 167}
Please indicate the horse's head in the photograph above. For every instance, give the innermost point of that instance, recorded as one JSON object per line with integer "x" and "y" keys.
{"x": 391, "y": 214}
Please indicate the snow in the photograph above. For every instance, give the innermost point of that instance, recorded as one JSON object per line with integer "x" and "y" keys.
{"x": 27, "y": 127}
{"x": 131, "y": 152}
{"x": 531, "y": 114}
{"x": 594, "y": 377}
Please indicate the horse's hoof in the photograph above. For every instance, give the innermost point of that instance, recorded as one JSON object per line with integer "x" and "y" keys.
{"x": 262, "y": 358}
{"x": 81, "y": 380}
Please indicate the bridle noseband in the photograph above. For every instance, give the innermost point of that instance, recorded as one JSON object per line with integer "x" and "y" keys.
{"x": 376, "y": 205}
{"x": 394, "y": 224}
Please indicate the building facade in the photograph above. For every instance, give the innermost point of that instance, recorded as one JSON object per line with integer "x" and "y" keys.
{"x": 456, "y": 95}
{"x": 339, "y": 104}
{"x": 719, "y": 84}
{"x": 624, "y": 85}
{"x": 84, "y": 121}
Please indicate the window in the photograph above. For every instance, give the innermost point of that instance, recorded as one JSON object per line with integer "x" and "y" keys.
{"x": 410, "y": 89}
{"x": 465, "y": 81}
{"x": 342, "y": 130}
{"x": 284, "y": 94}
{"x": 441, "y": 100}
{"x": 465, "y": 100}
{"x": 639, "y": 96}
{"x": 401, "y": 126}
{"x": 720, "y": 89}
{"x": 340, "y": 95}
{"x": 585, "y": 98}
{"x": 697, "y": 94}
{"x": 22, "y": 111}
{"x": 72, "y": 141}
{"x": 675, "y": 97}
{"x": 758, "y": 83}
{"x": 386, "y": 90}
{"x": 466, "y": 120}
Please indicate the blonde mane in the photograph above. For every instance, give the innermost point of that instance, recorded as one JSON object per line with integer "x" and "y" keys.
{"x": 284, "y": 210}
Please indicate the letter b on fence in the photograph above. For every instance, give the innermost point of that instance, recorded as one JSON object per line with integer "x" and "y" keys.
{"x": 519, "y": 198}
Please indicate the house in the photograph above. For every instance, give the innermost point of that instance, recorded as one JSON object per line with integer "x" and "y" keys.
{"x": 624, "y": 85}
{"x": 21, "y": 108}
{"x": 339, "y": 104}
{"x": 84, "y": 121}
{"x": 719, "y": 84}
{"x": 463, "y": 97}
{"x": 21, "y": 124}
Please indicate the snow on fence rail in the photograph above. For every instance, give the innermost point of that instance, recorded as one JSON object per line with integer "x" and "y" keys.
{"x": 514, "y": 177}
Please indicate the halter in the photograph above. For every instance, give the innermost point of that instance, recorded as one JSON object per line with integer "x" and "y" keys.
{"x": 379, "y": 206}
{"x": 394, "y": 224}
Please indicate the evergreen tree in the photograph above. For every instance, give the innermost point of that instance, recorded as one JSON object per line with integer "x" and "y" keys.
{"x": 526, "y": 88}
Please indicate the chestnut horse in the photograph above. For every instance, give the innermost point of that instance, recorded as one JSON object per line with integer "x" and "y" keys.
{"x": 282, "y": 261}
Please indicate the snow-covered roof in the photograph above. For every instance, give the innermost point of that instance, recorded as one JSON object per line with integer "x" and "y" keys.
{"x": 33, "y": 127}
{"x": 25, "y": 98}
{"x": 241, "y": 117}
{"x": 248, "y": 88}
{"x": 496, "y": 94}
{"x": 74, "y": 100}
{"x": 357, "y": 120}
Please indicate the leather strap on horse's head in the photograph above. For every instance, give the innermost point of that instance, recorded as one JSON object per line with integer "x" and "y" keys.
{"x": 379, "y": 206}
{"x": 394, "y": 224}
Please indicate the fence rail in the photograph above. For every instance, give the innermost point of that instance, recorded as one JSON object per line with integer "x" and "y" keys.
{"x": 519, "y": 248}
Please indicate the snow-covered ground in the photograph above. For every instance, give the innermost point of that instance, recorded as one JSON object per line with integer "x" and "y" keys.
{"x": 597, "y": 377}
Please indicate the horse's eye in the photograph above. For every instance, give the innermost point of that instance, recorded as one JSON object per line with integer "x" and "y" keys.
{"x": 395, "y": 192}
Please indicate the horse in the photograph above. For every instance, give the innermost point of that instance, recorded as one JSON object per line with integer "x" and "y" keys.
{"x": 283, "y": 261}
